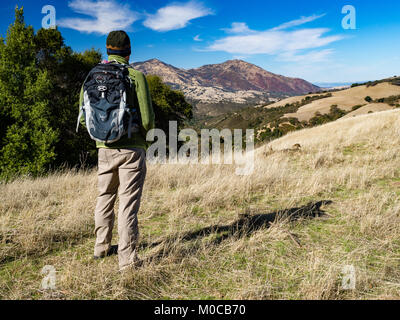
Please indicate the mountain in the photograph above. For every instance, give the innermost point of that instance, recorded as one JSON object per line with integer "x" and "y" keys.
{"x": 241, "y": 75}
{"x": 170, "y": 74}
{"x": 219, "y": 88}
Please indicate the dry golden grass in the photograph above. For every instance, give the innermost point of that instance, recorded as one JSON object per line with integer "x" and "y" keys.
{"x": 352, "y": 162}
{"x": 369, "y": 108}
{"x": 344, "y": 99}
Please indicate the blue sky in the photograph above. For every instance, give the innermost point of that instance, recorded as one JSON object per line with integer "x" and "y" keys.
{"x": 294, "y": 38}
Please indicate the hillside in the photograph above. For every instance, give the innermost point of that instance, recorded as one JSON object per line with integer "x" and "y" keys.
{"x": 347, "y": 99}
{"x": 218, "y": 88}
{"x": 294, "y": 113}
{"x": 286, "y": 232}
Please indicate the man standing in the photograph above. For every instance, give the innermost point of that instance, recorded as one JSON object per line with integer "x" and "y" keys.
{"x": 122, "y": 165}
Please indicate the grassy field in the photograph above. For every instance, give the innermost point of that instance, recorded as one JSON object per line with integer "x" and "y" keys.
{"x": 209, "y": 234}
{"x": 346, "y": 99}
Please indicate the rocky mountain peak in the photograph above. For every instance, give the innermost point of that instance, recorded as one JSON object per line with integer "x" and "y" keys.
{"x": 233, "y": 81}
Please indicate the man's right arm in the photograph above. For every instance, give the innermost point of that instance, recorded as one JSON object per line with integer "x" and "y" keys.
{"x": 145, "y": 104}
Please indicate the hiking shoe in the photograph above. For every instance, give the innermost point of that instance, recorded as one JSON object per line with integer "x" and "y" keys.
{"x": 112, "y": 251}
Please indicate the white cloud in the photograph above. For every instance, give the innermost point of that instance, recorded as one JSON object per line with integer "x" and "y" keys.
{"x": 276, "y": 41}
{"x": 107, "y": 15}
{"x": 176, "y": 16}
{"x": 238, "y": 27}
{"x": 298, "y": 22}
{"x": 307, "y": 58}
{"x": 197, "y": 38}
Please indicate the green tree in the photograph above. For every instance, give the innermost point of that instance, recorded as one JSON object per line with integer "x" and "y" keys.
{"x": 168, "y": 104}
{"x": 67, "y": 71}
{"x": 28, "y": 140}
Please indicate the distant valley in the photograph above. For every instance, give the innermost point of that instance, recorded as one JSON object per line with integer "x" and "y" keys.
{"x": 274, "y": 120}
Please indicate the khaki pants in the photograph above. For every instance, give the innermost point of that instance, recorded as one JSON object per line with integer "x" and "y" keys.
{"x": 124, "y": 169}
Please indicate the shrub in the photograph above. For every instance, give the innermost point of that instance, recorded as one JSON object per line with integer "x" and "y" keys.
{"x": 356, "y": 107}
{"x": 334, "y": 114}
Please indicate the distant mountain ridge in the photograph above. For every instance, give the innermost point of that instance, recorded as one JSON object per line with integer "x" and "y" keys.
{"x": 232, "y": 85}
{"x": 241, "y": 75}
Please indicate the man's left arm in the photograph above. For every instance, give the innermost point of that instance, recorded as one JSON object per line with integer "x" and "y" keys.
{"x": 82, "y": 119}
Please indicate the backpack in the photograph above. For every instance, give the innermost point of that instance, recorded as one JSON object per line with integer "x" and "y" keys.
{"x": 107, "y": 114}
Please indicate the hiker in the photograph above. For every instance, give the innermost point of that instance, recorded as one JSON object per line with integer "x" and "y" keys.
{"x": 116, "y": 108}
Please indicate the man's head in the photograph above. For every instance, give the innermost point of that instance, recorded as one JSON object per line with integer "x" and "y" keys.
{"x": 118, "y": 43}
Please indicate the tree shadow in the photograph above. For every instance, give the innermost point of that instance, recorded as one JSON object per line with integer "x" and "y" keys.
{"x": 245, "y": 226}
